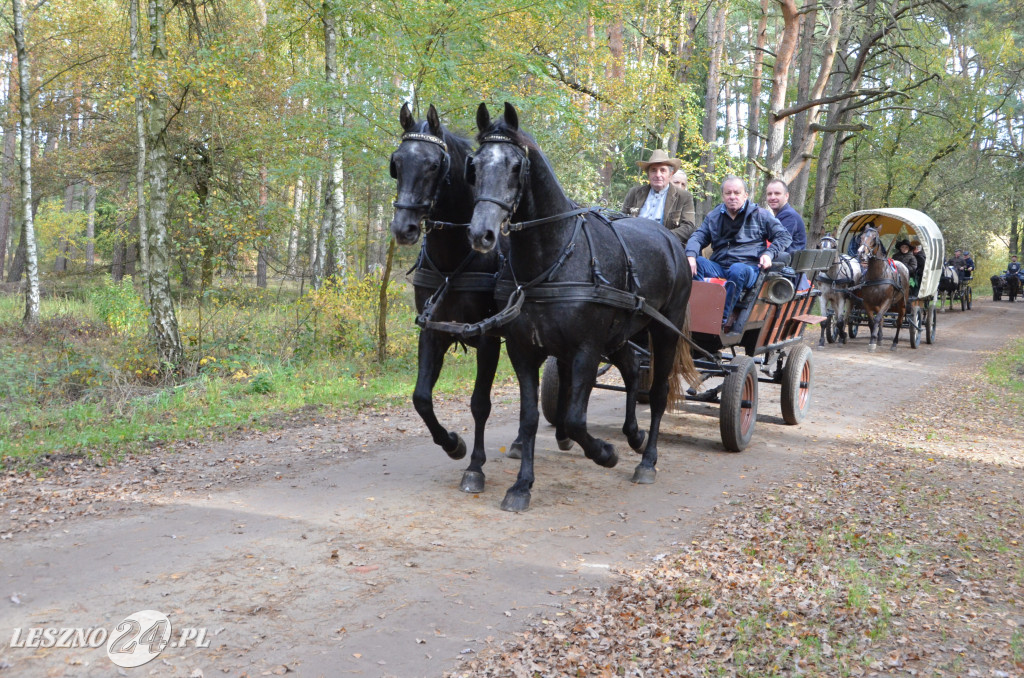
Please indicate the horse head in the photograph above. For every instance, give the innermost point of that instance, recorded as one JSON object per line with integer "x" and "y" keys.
{"x": 870, "y": 245}
{"x": 827, "y": 242}
{"x": 499, "y": 174}
{"x": 421, "y": 165}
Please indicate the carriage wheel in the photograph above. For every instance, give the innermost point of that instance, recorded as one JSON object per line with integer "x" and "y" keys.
{"x": 549, "y": 391}
{"x": 738, "y": 413}
{"x": 929, "y": 325}
{"x": 797, "y": 382}
{"x": 963, "y": 300}
{"x": 970, "y": 298}
{"x": 852, "y": 326}
{"x": 915, "y": 323}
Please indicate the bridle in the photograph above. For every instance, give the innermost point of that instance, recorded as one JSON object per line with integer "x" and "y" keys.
{"x": 524, "y": 173}
{"x": 444, "y": 177}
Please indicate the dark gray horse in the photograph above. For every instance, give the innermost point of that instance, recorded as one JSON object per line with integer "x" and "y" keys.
{"x": 585, "y": 288}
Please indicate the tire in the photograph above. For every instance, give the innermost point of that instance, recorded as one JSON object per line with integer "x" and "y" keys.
{"x": 963, "y": 301}
{"x": 738, "y": 413}
{"x": 549, "y": 391}
{"x": 915, "y": 323}
{"x": 852, "y": 326}
{"x": 797, "y": 385}
{"x": 970, "y": 298}
{"x": 929, "y": 325}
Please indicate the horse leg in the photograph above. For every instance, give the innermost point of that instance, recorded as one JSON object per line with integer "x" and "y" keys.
{"x": 874, "y": 320}
{"x": 561, "y": 436}
{"x": 487, "y": 353}
{"x": 527, "y": 367}
{"x": 664, "y": 345}
{"x": 626, "y": 361}
{"x": 584, "y": 371}
{"x": 431, "y": 349}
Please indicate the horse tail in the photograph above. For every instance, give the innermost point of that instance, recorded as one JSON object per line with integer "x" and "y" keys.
{"x": 682, "y": 367}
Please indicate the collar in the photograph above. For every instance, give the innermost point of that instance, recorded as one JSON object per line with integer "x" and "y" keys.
{"x": 661, "y": 192}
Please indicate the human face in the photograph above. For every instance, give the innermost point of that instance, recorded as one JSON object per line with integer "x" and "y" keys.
{"x": 679, "y": 180}
{"x": 776, "y": 196}
{"x": 659, "y": 175}
{"x": 733, "y": 195}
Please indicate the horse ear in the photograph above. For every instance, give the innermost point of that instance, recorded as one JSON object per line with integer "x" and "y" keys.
{"x": 511, "y": 116}
{"x": 470, "y": 172}
{"x": 392, "y": 168}
{"x": 405, "y": 117}
{"x": 483, "y": 117}
{"x": 433, "y": 121}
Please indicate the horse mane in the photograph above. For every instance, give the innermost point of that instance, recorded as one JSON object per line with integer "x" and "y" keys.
{"x": 526, "y": 140}
{"x": 464, "y": 145}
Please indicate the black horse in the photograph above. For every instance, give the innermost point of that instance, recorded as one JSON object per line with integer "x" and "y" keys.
{"x": 453, "y": 282}
{"x": 585, "y": 287}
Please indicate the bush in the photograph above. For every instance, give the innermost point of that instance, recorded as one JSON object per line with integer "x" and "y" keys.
{"x": 119, "y": 306}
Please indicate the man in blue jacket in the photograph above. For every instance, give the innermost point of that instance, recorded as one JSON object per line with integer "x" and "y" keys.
{"x": 738, "y": 231}
{"x": 776, "y": 194}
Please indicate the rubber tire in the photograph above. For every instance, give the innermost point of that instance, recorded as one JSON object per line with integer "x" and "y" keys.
{"x": 915, "y": 334}
{"x": 963, "y": 301}
{"x": 970, "y": 298}
{"x": 735, "y": 422}
{"x": 797, "y": 385}
{"x": 549, "y": 390}
{"x": 852, "y": 327}
{"x": 929, "y": 327}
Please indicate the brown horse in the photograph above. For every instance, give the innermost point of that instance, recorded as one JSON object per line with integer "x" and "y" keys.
{"x": 884, "y": 287}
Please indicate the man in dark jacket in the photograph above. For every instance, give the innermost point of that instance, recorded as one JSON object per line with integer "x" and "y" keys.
{"x": 905, "y": 256}
{"x": 737, "y": 231}
{"x": 776, "y": 194}
{"x": 1013, "y": 268}
{"x": 660, "y": 200}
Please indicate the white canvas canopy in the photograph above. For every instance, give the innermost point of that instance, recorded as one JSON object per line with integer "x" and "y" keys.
{"x": 899, "y": 223}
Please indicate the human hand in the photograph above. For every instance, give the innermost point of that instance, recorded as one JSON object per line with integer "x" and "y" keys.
{"x": 693, "y": 266}
{"x": 765, "y": 262}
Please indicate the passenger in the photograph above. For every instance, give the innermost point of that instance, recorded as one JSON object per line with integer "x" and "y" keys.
{"x": 919, "y": 255}
{"x": 659, "y": 200}
{"x": 959, "y": 263}
{"x": 679, "y": 180}
{"x": 1013, "y": 268}
{"x": 737, "y": 231}
{"x": 907, "y": 258}
{"x": 776, "y": 194}
{"x": 968, "y": 265}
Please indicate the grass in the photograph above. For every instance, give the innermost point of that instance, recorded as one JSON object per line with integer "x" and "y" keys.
{"x": 87, "y": 382}
{"x": 1006, "y": 370}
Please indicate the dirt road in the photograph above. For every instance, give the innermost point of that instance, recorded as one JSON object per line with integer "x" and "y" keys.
{"x": 346, "y": 548}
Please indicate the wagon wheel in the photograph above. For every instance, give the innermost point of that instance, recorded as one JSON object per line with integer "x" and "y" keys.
{"x": 914, "y": 325}
{"x": 963, "y": 299}
{"x": 970, "y": 297}
{"x": 549, "y": 391}
{"x": 929, "y": 325}
{"x": 831, "y": 327}
{"x": 797, "y": 384}
{"x": 852, "y": 325}
{"x": 738, "y": 413}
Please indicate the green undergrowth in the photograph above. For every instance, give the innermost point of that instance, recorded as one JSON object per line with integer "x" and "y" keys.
{"x": 87, "y": 380}
{"x": 1006, "y": 369}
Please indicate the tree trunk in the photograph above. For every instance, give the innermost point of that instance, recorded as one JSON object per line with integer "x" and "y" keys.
{"x": 162, "y": 318}
{"x": 31, "y": 318}
{"x": 754, "y": 107}
{"x": 382, "y": 315}
{"x": 20, "y": 252}
{"x": 90, "y": 227}
{"x": 9, "y": 165}
{"x": 805, "y": 61}
{"x": 293, "y": 236}
{"x": 776, "y": 141}
{"x": 261, "y": 257}
{"x": 332, "y": 192}
{"x": 140, "y": 142}
{"x": 709, "y": 131}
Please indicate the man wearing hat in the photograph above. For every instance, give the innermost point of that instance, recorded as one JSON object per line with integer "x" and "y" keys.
{"x": 661, "y": 201}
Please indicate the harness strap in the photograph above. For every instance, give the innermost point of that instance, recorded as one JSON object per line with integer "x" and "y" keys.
{"x": 467, "y": 282}
{"x": 523, "y": 225}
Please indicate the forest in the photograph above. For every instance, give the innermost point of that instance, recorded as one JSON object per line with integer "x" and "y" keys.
{"x": 201, "y": 186}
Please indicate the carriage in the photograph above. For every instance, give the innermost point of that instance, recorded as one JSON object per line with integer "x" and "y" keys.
{"x": 1008, "y": 284}
{"x": 895, "y": 224}
{"x": 767, "y": 347}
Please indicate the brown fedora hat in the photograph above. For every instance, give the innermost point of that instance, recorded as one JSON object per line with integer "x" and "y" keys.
{"x": 659, "y": 157}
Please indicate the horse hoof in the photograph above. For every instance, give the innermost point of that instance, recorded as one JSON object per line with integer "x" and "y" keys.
{"x": 641, "y": 440}
{"x": 516, "y": 502}
{"x": 871, "y": 348}
{"x": 605, "y": 456}
{"x": 459, "y": 451}
{"x": 644, "y": 475}
{"x": 472, "y": 482}
{"x": 893, "y": 347}
{"x": 515, "y": 450}
{"x": 564, "y": 443}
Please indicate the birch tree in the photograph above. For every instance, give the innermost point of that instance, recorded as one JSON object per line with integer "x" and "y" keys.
{"x": 31, "y": 318}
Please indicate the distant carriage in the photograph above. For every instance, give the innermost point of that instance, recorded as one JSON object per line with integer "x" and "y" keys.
{"x": 894, "y": 224}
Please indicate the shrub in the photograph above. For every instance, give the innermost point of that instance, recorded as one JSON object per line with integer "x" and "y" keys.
{"x": 119, "y": 306}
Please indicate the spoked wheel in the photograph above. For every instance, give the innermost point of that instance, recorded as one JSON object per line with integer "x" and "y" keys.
{"x": 929, "y": 325}
{"x": 549, "y": 390}
{"x": 963, "y": 300}
{"x": 915, "y": 323}
{"x": 738, "y": 412}
{"x": 796, "y": 385}
{"x": 852, "y": 326}
{"x": 970, "y": 298}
